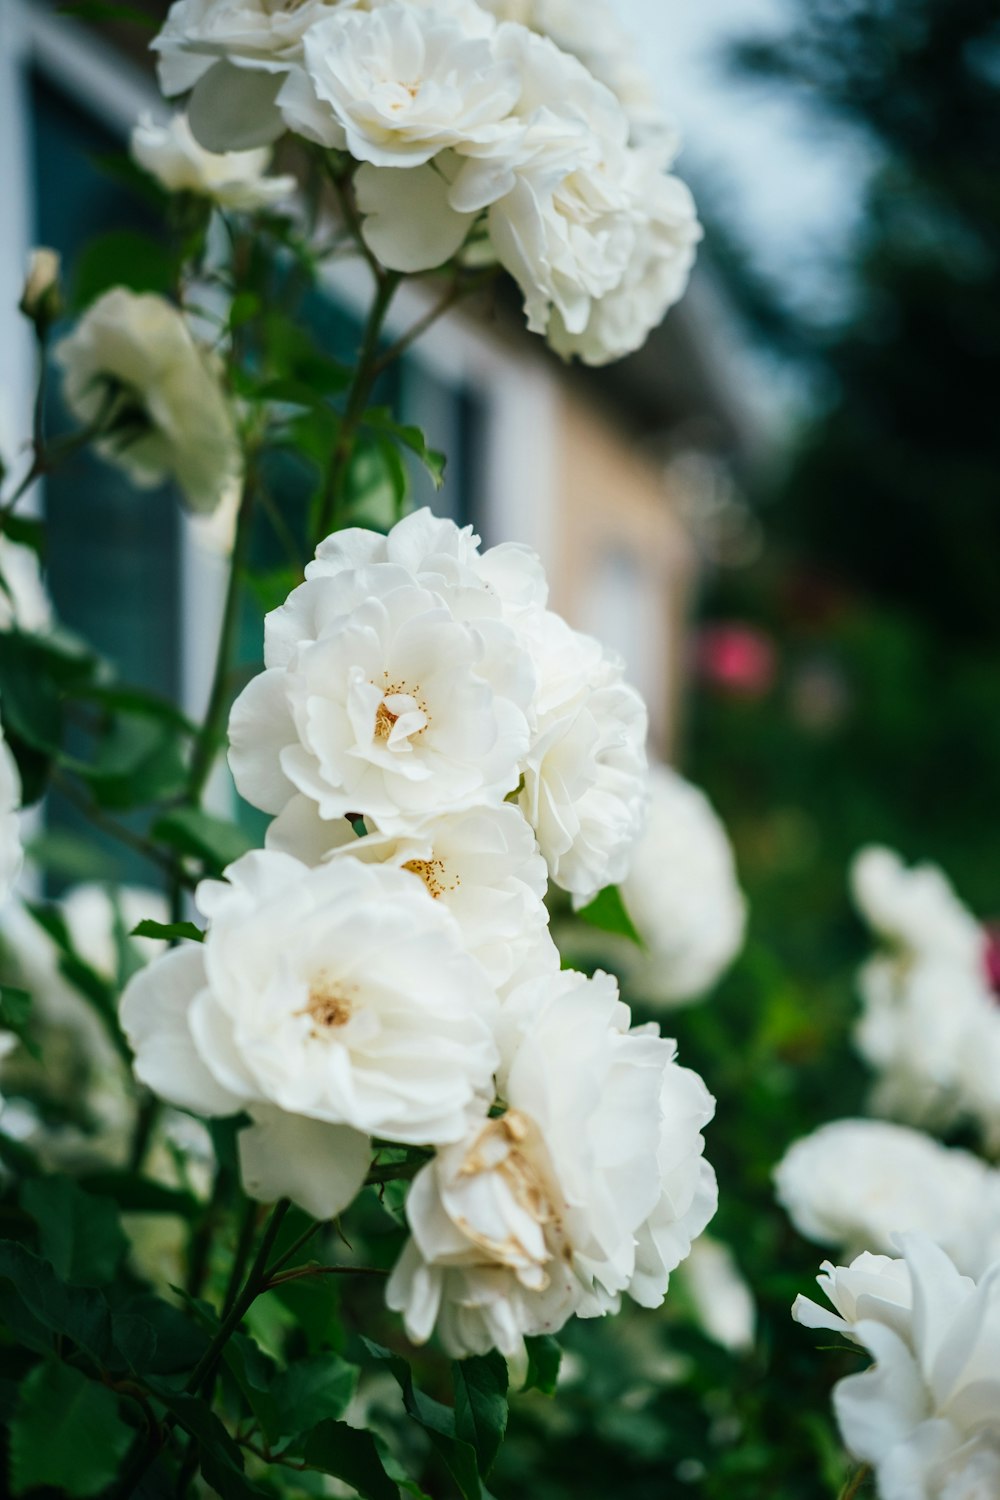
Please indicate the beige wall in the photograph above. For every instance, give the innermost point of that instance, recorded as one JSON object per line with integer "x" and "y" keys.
{"x": 623, "y": 566}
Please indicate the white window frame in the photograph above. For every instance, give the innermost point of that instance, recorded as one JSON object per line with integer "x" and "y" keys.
{"x": 516, "y": 392}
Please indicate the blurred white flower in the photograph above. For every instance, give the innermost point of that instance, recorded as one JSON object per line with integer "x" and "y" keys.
{"x": 11, "y": 850}
{"x": 930, "y": 1022}
{"x": 24, "y": 603}
{"x": 856, "y": 1184}
{"x": 873, "y": 1288}
{"x": 585, "y": 774}
{"x": 483, "y": 866}
{"x": 681, "y": 893}
{"x": 132, "y": 365}
{"x": 233, "y": 179}
{"x": 722, "y": 1299}
{"x": 591, "y": 1184}
{"x": 398, "y": 83}
{"x": 926, "y": 1416}
{"x": 332, "y": 1003}
{"x": 914, "y": 910}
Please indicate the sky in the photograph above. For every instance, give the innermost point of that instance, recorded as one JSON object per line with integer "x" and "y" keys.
{"x": 791, "y": 184}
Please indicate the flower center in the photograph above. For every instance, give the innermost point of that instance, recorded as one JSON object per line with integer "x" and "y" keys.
{"x": 503, "y": 1146}
{"x": 385, "y": 721}
{"x": 432, "y": 872}
{"x": 327, "y": 1006}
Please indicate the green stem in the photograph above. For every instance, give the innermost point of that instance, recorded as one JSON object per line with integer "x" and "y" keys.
{"x": 241, "y": 1256}
{"x": 855, "y": 1485}
{"x": 364, "y": 378}
{"x": 253, "y": 1286}
{"x": 210, "y": 735}
{"x": 459, "y": 288}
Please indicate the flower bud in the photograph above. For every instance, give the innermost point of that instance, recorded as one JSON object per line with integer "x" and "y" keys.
{"x": 41, "y": 300}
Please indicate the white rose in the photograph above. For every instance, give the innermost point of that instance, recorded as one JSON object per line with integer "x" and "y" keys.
{"x": 592, "y": 1177}
{"x": 233, "y": 179}
{"x": 681, "y": 893}
{"x": 483, "y": 866}
{"x": 378, "y": 701}
{"x": 592, "y": 31}
{"x": 915, "y": 909}
{"x": 922, "y": 1019}
{"x": 858, "y": 1183}
{"x": 132, "y": 364}
{"x": 585, "y": 774}
{"x": 873, "y": 1288}
{"x": 331, "y": 1003}
{"x": 11, "y": 850}
{"x": 655, "y": 278}
{"x": 24, "y": 603}
{"x": 398, "y": 84}
{"x": 41, "y": 296}
{"x": 235, "y": 55}
{"x": 978, "y": 1075}
{"x": 926, "y": 1416}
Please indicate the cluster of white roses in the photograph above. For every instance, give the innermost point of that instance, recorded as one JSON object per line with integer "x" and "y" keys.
{"x": 477, "y": 136}
{"x": 383, "y": 970}
{"x": 930, "y": 1023}
{"x": 926, "y": 1416}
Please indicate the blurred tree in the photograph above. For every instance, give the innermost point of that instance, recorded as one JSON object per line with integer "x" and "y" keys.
{"x": 895, "y": 488}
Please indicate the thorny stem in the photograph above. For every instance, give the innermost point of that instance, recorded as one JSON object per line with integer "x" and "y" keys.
{"x": 305, "y": 1273}
{"x": 459, "y": 288}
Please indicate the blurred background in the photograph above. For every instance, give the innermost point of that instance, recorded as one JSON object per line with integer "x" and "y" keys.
{"x": 784, "y": 512}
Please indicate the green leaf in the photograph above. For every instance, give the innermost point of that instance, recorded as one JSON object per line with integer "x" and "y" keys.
{"x": 481, "y": 1405}
{"x": 29, "y": 695}
{"x": 544, "y": 1358}
{"x": 306, "y": 1394}
{"x": 168, "y": 931}
{"x": 213, "y": 840}
{"x": 123, "y": 258}
{"x": 78, "y": 1232}
{"x": 15, "y": 1016}
{"x": 135, "y": 1194}
{"x": 437, "y": 1420}
{"x": 351, "y": 1455}
{"x": 66, "y": 1433}
{"x": 26, "y": 531}
{"x": 607, "y": 912}
{"x": 220, "y": 1458}
{"x": 411, "y": 437}
{"x": 138, "y": 762}
{"x": 39, "y": 1304}
{"x": 106, "y": 10}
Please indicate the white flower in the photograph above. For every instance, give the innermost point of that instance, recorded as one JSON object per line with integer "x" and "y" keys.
{"x": 681, "y": 893}
{"x": 11, "y": 851}
{"x": 914, "y": 910}
{"x": 24, "y": 604}
{"x": 590, "y": 1185}
{"x": 585, "y": 775}
{"x": 592, "y": 31}
{"x": 483, "y": 866}
{"x": 132, "y": 364}
{"x": 926, "y": 1416}
{"x": 398, "y": 84}
{"x": 655, "y": 278}
{"x": 873, "y": 1288}
{"x": 233, "y": 179}
{"x": 922, "y": 1021}
{"x": 380, "y": 701}
{"x": 722, "y": 1299}
{"x": 858, "y": 1183}
{"x": 331, "y": 1003}
{"x": 235, "y": 55}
